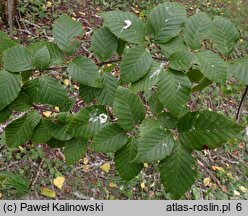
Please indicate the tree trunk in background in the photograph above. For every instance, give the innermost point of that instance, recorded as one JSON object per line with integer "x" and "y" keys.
{"x": 8, "y": 9}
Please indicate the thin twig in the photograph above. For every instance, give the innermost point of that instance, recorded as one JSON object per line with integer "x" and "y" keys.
{"x": 42, "y": 108}
{"x": 241, "y": 104}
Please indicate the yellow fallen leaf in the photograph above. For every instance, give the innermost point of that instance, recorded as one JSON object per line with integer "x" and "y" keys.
{"x": 105, "y": 167}
{"x": 236, "y": 193}
{"x": 217, "y": 168}
{"x": 76, "y": 87}
{"x": 48, "y": 193}
{"x": 85, "y": 161}
{"x": 206, "y": 181}
{"x": 66, "y": 82}
{"x": 47, "y": 113}
{"x": 56, "y": 108}
{"x": 145, "y": 165}
{"x": 59, "y": 181}
{"x": 243, "y": 189}
{"x": 112, "y": 185}
{"x": 142, "y": 185}
{"x": 49, "y": 4}
{"x": 86, "y": 167}
{"x": 21, "y": 148}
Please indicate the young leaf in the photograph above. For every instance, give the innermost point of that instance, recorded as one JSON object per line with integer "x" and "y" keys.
{"x": 125, "y": 25}
{"x": 224, "y": 35}
{"x": 10, "y": 86}
{"x": 212, "y": 66}
{"x": 182, "y": 60}
{"x": 123, "y": 161}
{"x": 135, "y": 64}
{"x": 128, "y": 108}
{"x": 17, "y": 59}
{"x": 20, "y": 130}
{"x": 74, "y": 150}
{"x": 88, "y": 94}
{"x": 178, "y": 172}
{"x": 197, "y": 28}
{"x": 174, "y": 90}
{"x": 104, "y": 43}
{"x": 67, "y": 34}
{"x": 85, "y": 72}
{"x": 206, "y": 128}
{"x": 41, "y": 59}
{"x": 109, "y": 139}
{"x": 166, "y": 20}
{"x": 155, "y": 145}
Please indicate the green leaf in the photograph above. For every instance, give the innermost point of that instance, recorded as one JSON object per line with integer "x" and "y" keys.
{"x": 41, "y": 59}
{"x": 58, "y": 130}
{"x": 205, "y": 128}
{"x": 74, "y": 150}
{"x": 109, "y": 139}
{"x": 204, "y": 82}
{"x": 54, "y": 143}
{"x": 224, "y": 35}
{"x": 10, "y": 86}
{"x": 22, "y": 103}
{"x": 5, "y": 114}
{"x": 155, "y": 145}
{"x": 197, "y": 28}
{"x": 167, "y": 120}
{"x": 67, "y": 34}
{"x": 178, "y": 172}
{"x": 115, "y": 21}
{"x": 17, "y": 59}
{"x": 50, "y": 91}
{"x": 56, "y": 55}
{"x": 212, "y": 66}
{"x": 147, "y": 125}
{"x": 121, "y": 47}
{"x": 166, "y": 20}
{"x": 174, "y": 45}
{"x": 135, "y": 64}
{"x": 5, "y": 43}
{"x": 149, "y": 80}
{"x": 88, "y": 94}
{"x": 154, "y": 103}
{"x": 87, "y": 122}
{"x": 41, "y": 133}
{"x": 104, "y": 43}
{"x": 195, "y": 75}
{"x": 20, "y": 130}
{"x": 241, "y": 70}
{"x": 174, "y": 90}
{"x": 123, "y": 157}
{"x": 84, "y": 71}
{"x": 182, "y": 60}
{"x": 128, "y": 108}
{"x": 107, "y": 94}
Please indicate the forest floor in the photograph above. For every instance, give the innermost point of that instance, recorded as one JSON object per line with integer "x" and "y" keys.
{"x": 223, "y": 173}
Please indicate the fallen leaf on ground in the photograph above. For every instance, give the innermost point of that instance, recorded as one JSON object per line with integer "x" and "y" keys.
{"x": 145, "y": 165}
{"x": 142, "y": 185}
{"x": 236, "y": 193}
{"x": 217, "y": 168}
{"x": 48, "y": 193}
{"x": 105, "y": 167}
{"x": 243, "y": 189}
{"x": 206, "y": 181}
{"x": 85, "y": 161}
{"x": 47, "y": 113}
{"x": 59, "y": 181}
{"x": 112, "y": 185}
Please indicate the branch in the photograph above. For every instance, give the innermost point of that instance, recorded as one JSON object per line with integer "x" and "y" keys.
{"x": 42, "y": 108}
{"x": 241, "y": 104}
